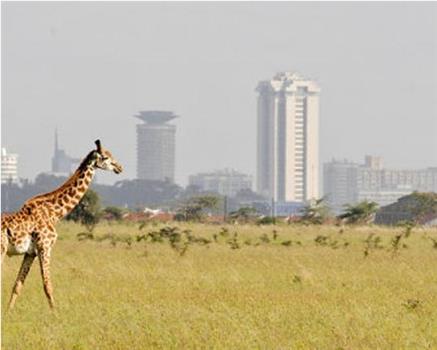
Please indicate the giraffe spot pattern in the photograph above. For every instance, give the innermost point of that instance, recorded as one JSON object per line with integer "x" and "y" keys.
{"x": 31, "y": 230}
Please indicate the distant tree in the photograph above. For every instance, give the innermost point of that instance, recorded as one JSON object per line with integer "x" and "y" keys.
{"x": 316, "y": 212}
{"x": 361, "y": 213}
{"x": 425, "y": 203}
{"x": 191, "y": 190}
{"x": 266, "y": 220}
{"x": 207, "y": 201}
{"x": 12, "y": 197}
{"x": 88, "y": 211}
{"x": 138, "y": 193}
{"x": 113, "y": 213}
{"x": 194, "y": 209}
{"x": 45, "y": 182}
{"x": 243, "y": 214}
{"x": 415, "y": 207}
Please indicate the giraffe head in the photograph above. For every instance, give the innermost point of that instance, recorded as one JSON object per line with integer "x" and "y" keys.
{"x": 104, "y": 159}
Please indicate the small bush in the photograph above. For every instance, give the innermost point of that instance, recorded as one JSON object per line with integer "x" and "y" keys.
{"x": 266, "y": 220}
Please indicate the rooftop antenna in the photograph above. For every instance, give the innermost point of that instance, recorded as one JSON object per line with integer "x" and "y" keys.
{"x": 56, "y": 140}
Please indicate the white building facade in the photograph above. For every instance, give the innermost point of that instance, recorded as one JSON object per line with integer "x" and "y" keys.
{"x": 9, "y": 167}
{"x": 288, "y": 138}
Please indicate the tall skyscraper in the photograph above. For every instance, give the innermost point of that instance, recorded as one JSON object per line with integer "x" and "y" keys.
{"x": 288, "y": 138}
{"x": 156, "y": 146}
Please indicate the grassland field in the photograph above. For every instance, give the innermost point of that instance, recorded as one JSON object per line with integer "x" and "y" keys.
{"x": 229, "y": 287}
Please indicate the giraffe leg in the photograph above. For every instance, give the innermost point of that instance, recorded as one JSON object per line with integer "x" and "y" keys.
{"x": 44, "y": 261}
{"x": 22, "y": 274}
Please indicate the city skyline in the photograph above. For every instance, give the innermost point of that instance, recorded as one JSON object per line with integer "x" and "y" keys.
{"x": 347, "y": 182}
{"x": 379, "y": 82}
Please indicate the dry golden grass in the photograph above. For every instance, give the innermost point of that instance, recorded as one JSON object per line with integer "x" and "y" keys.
{"x": 323, "y": 294}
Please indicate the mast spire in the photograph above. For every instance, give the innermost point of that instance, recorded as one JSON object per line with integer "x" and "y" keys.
{"x": 56, "y": 141}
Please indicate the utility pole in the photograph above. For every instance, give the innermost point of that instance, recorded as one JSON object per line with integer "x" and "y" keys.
{"x": 225, "y": 208}
{"x": 273, "y": 210}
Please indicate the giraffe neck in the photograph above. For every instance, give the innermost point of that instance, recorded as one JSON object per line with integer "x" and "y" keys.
{"x": 66, "y": 197}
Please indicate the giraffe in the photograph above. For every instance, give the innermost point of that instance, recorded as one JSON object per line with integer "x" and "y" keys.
{"x": 31, "y": 231}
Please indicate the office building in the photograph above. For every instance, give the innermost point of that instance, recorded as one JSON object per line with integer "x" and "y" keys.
{"x": 340, "y": 183}
{"x": 156, "y": 146}
{"x": 288, "y": 138}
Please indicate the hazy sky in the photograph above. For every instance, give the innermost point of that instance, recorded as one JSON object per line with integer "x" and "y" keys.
{"x": 87, "y": 68}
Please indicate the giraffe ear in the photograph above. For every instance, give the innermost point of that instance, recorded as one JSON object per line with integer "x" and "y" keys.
{"x": 99, "y": 146}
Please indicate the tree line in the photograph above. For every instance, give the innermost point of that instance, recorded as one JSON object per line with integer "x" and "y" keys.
{"x": 191, "y": 204}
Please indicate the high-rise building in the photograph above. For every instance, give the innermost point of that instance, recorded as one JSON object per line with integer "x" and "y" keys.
{"x": 288, "y": 138}
{"x": 62, "y": 163}
{"x": 9, "y": 167}
{"x": 226, "y": 182}
{"x": 156, "y": 146}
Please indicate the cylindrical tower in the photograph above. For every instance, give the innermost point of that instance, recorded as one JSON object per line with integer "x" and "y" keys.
{"x": 156, "y": 146}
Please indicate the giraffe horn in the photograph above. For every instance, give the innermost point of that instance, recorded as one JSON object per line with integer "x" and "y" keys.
{"x": 99, "y": 145}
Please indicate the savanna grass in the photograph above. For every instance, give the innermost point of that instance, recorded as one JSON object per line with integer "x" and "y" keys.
{"x": 234, "y": 287}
